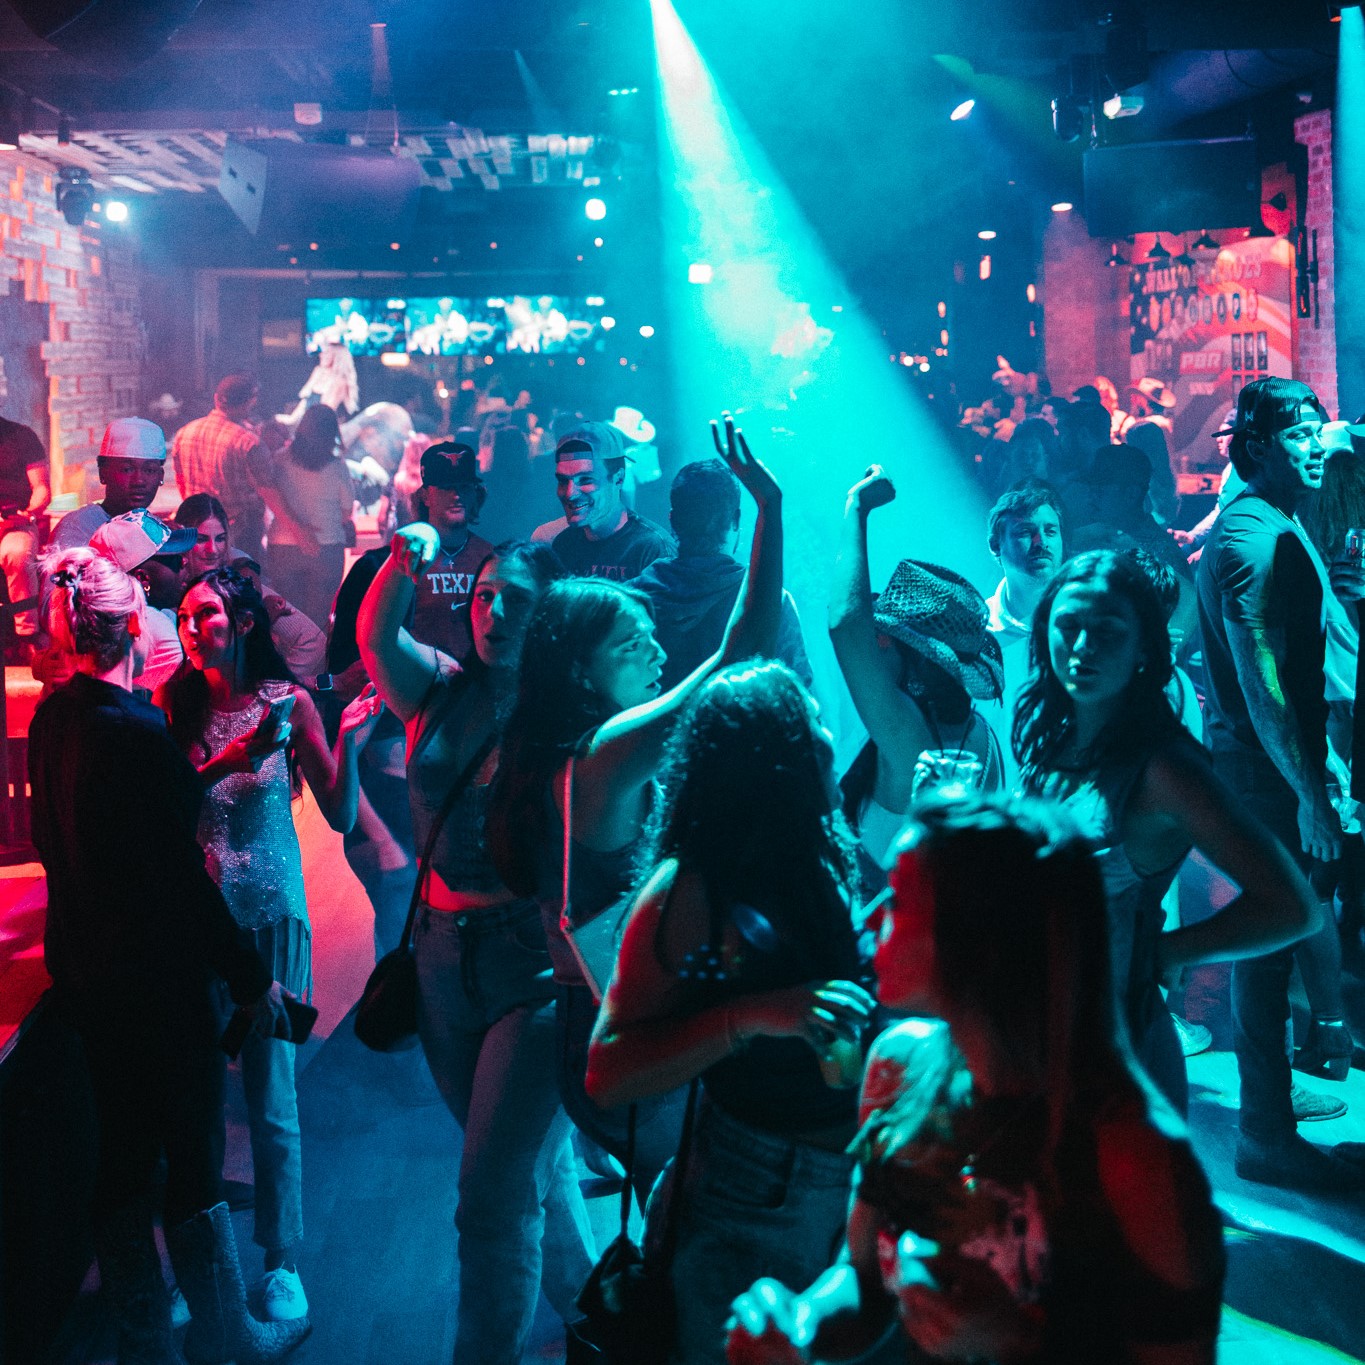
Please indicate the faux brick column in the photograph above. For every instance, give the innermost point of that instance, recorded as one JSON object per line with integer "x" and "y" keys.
{"x": 1085, "y": 316}
{"x": 88, "y": 277}
{"x": 1315, "y": 342}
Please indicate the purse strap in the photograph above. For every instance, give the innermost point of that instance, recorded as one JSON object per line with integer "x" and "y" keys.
{"x": 680, "y": 1165}
{"x": 467, "y": 774}
{"x": 568, "y": 844}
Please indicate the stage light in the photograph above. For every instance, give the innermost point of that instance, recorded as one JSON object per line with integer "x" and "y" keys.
{"x": 597, "y": 241}
{"x": 594, "y": 300}
{"x": 116, "y": 211}
{"x": 1068, "y": 117}
{"x": 75, "y": 195}
{"x": 1063, "y": 206}
{"x": 395, "y": 360}
{"x": 962, "y": 110}
{"x": 699, "y": 273}
{"x": 646, "y": 331}
{"x": 595, "y": 210}
{"x": 1032, "y": 293}
{"x": 606, "y": 322}
{"x": 983, "y": 270}
{"x": 988, "y": 234}
{"x": 924, "y": 367}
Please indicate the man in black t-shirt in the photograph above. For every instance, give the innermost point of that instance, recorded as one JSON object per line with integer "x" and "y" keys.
{"x": 24, "y": 495}
{"x": 1264, "y": 595}
{"x": 604, "y": 537}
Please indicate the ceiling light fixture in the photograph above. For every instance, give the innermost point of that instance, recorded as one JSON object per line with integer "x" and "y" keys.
{"x": 1158, "y": 252}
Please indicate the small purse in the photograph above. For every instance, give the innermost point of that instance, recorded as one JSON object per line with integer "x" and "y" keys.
{"x": 596, "y": 942}
{"x": 386, "y": 1017}
{"x": 628, "y": 1307}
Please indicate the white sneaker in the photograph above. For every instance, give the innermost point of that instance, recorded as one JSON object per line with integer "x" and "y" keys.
{"x": 282, "y": 1296}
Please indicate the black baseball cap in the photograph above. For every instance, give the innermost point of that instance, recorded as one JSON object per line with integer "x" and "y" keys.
{"x": 450, "y": 464}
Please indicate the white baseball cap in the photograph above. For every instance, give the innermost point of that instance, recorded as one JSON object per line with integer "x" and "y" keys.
{"x": 133, "y": 438}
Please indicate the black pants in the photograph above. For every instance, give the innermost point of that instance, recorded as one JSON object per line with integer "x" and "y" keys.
{"x": 157, "y": 1076}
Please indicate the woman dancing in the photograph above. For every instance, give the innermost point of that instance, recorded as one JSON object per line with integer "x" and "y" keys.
{"x": 240, "y": 718}
{"x": 486, "y": 998}
{"x": 740, "y": 966}
{"x": 587, "y": 732}
{"x": 1095, "y": 729}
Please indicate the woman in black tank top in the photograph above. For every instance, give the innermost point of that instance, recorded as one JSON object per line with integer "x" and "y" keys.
{"x": 589, "y": 692}
{"x": 485, "y": 997}
{"x": 740, "y": 966}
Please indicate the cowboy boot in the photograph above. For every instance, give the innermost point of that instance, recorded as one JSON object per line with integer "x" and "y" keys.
{"x": 130, "y": 1273}
{"x": 204, "y": 1254}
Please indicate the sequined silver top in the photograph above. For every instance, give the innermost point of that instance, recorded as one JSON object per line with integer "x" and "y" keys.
{"x": 247, "y": 827}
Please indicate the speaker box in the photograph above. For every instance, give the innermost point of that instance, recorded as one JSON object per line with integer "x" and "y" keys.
{"x": 301, "y": 191}
{"x": 1172, "y": 187}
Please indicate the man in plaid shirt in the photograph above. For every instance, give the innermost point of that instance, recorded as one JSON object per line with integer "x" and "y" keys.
{"x": 221, "y": 454}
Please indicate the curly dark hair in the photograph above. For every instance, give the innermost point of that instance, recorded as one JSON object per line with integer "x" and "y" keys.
{"x": 187, "y": 691}
{"x": 1044, "y": 713}
{"x": 747, "y": 807}
{"x": 555, "y": 709}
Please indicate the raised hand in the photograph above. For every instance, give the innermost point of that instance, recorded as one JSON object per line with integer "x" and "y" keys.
{"x": 767, "y": 1327}
{"x": 361, "y": 715}
{"x": 414, "y": 548}
{"x": 752, "y": 473}
{"x": 873, "y": 490}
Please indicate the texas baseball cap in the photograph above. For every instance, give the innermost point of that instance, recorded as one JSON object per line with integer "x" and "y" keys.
{"x": 133, "y": 438}
{"x": 135, "y": 537}
{"x": 449, "y": 464}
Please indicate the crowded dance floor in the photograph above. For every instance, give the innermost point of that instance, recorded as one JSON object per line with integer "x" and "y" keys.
{"x": 679, "y": 682}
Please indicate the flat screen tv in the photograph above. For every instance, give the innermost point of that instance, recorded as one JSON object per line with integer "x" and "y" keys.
{"x": 363, "y": 326}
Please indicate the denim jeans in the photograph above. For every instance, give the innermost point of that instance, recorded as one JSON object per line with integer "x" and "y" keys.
{"x": 385, "y": 784}
{"x": 486, "y": 1021}
{"x": 658, "y": 1122}
{"x": 752, "y": 1204}
{"x": 272, "y": 1110}
{"x": 1260, "y": 985}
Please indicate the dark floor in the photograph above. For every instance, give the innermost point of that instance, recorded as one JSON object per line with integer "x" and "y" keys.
{"x": 379, "y": 1189}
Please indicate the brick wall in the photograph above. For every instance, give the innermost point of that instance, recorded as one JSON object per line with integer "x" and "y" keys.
{"x": 1085, "y": 322}
{"x": 88, "y": 277}
{"x": 1315, "y": 346}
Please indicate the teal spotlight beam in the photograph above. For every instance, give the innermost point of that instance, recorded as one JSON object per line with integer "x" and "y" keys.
{"x": 1348, "y": 201}
{"x": 776, "y": 332}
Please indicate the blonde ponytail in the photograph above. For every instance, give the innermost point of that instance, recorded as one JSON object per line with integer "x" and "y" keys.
{"x": 87, "y": 600}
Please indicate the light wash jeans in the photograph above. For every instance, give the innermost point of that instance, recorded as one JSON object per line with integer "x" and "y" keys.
{"x": 272, "y": 1110}
{"x": 487, "y": 1024}
{"x": 753, "y": 1204}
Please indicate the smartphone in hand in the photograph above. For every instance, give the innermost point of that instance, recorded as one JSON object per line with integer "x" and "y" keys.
{"x": 278, "y": 713}
{"x": 295, "y": 1027}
